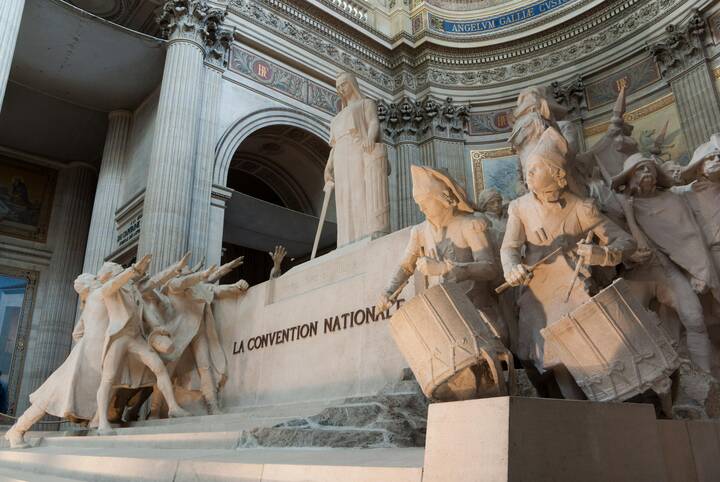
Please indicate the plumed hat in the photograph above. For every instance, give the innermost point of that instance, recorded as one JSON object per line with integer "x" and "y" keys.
{"x": 690, "y": 172}
{"x": 631, "y": 163}
{"x": 551, "y": 149}
{"x": 426, "y": 180}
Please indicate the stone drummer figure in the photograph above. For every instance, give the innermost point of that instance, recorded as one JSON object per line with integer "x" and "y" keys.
{"x": 548, "y": 217}
{"x": 452, "y": 244}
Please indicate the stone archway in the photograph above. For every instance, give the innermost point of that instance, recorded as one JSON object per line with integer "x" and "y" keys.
{"x": 272, "y": 165}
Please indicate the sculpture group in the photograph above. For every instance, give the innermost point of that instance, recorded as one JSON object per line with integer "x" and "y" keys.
{"x": 135, "y": 331}
{"x": 597, "y": 281}
{"x": 612, "y": 268}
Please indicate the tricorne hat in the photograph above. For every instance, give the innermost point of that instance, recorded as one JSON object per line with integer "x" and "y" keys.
{"x": 690, "y": 172}
{"x": 551, "y": 149}
{"x": 426, "y": 180}
{"x": 632, "y": 162}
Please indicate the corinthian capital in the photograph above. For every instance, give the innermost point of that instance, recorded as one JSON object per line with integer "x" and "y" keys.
{"x": 194, "y": 20}
{"x": 682, "y": 48}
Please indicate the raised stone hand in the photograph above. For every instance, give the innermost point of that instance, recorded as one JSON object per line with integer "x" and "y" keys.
{"x": 592, "y": 254}
{"x": 141, "y": 266}
{"x": 182, "y": 262}
{"x": 519, "y": 275}
{"x": 278, "y": 255}
{"x": 242, "y": 285}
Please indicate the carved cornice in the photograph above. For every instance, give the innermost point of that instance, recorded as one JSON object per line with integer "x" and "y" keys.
{"x": 428, "y": 117}
{"x": 415, "y": 69}
{"x": 683, "y": 47}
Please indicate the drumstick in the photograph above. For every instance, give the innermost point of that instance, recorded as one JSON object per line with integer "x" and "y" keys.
{"x": 531, "y": 268}
{"x": 393, "y": 297}
{"x": 588, "y": 239}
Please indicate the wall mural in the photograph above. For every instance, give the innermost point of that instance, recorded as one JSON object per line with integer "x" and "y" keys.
{"x": 633, "y": 78}
{"x": 26, "y": 195}
{"x": 648, "y": 121}
{"x": 499, "y": 169}
{"x": 280, "y": 79}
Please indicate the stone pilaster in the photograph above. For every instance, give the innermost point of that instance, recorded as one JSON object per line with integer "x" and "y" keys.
{"x": 54, "y": 314}
{"x": 101, "y": 237}
{"x": 202, "y": 186}
{"x": 10, "y": 17}
{"x": 192, "y": 28}
{"x": 682, "y": 60}
{"x": 429, "y": 132}
{"x": 220, "y": 196}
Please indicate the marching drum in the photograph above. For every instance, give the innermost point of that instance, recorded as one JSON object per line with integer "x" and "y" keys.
{"x": 448, "y": 343}
{"x": 613, "y": 347}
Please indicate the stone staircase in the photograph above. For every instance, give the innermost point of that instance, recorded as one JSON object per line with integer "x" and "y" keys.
{"x": 379, "y": 437}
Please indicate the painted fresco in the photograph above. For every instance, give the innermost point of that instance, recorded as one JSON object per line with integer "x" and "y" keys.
{"x": 26, "y": 194}
{"x": 499, "y": 169}
{"x": 648, "y": 121}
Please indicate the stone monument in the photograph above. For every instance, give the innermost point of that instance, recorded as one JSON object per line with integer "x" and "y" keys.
{"x": 358, "y": 166}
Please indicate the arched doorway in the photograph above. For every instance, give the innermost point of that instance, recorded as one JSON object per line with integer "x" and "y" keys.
{"x": 276, "y": 175}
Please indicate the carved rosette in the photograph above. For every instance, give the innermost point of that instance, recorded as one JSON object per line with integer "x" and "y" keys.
{"x": 426, "y": 117}
{"x": 196, "y": 21}
{"x": 682, "y": 48}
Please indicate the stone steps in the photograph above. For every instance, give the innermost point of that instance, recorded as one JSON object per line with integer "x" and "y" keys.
{"x": 8, "y": 475}
{"x": 98, "y": 464}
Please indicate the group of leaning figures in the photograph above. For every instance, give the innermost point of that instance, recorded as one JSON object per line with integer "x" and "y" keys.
{"x": 589, "y": 220}
{"x": 134, "y": 331}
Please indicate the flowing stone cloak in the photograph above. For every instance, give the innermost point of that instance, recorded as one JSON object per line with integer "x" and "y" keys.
{"x": 361, "y": 185}
{"x": 704, "y": 200}
{"x": 71, "y": 391}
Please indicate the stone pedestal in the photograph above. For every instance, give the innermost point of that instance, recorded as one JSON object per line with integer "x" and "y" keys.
{"x": 10, "y": 16}
{"x": 101, "y": 237}
{"x": 530, "y": 439}
{"x": 54, "y": 315}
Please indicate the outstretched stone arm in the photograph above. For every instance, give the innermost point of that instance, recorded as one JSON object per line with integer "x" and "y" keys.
{"x": 165, "y": 275}
{"x": 235, "y": 289}
{"x": 225, "y": 269}
{"x": 408, "y": 263}
{"x": 183, "y": 283}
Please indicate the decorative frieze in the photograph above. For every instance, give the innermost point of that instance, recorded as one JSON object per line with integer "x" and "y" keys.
{"x": 425, "y": 117}
{"x": 683, "y": 47}
{"x": 280, "y": 79}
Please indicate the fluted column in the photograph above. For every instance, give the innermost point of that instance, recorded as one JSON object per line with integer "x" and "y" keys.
{"x": 54, "y": 314}
{"x": 683, "y": 63}
{"x": 101, "y": 237}
{"x": 10, "y": 17}
{"x": 200, "y": 220}
{"x": 190, "y": 25}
